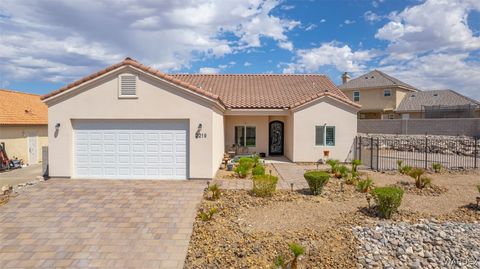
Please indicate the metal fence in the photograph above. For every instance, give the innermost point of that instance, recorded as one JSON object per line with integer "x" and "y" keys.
{"x": 382, "y": 153}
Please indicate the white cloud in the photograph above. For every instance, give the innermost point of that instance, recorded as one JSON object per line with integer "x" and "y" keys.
{"x": 329, "y": 54}
{"x": 323, "y": 20}
{"x": 440, "y": 71}
{"x": 287, "y": 7}
{"x": 371, "y": 16}
{"x": 62, "y": 40}
{"x": 247, "y": 64}
{"x": 347, "y": 21}
{"x": 209, "y": 70}
{"x": 310, "y": 27}
{"x": 433, "y": 26}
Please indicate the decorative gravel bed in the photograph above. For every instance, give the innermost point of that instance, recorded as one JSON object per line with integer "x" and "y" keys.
{"x": 429, "y": 244}
{"x": 432, "y": 190}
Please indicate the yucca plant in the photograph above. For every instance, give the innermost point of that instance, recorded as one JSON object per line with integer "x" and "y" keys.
{"x": 355, "y": 164}
{"x": 365, "y": 185}
{"x": 420, "y": 180}
{"x": 215, "y": 190}
{"x": 207, "y": 216}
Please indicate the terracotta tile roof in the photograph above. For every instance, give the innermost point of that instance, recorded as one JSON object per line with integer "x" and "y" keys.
{"x": 264, "y": 90}
{"x": 21, "y": 108}
{"x": 241, "y": 91}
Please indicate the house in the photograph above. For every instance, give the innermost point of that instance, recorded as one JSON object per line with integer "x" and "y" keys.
{"x": 378, "y": 93}
{"x": 437, "y": 104}
{"x": 23, "y": 125}
{"x": 130, "y": 121}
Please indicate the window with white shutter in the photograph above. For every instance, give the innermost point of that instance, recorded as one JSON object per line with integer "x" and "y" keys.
{"x": 128, "y": 85}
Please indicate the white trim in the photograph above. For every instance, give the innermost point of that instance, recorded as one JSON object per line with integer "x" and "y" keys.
{"x": 257, "y": 112}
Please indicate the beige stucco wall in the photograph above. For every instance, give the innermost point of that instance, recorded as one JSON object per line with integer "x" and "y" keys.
{"x": 262, "y": 131}
{"x": 15, "y": 138}
{"x": 323, "y": 111}
{"x": 156, "y": 100}
{"x": 218, "y": 139}
{"x": 372, "y": 99}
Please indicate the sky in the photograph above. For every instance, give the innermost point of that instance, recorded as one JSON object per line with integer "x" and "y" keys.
{"x": 432, "y": 44}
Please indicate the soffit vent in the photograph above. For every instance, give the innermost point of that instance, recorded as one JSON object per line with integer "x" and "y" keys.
{"x": 128, "y": 85}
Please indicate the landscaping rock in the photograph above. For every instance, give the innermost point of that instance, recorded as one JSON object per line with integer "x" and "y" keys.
{"x": 417, "y": 242}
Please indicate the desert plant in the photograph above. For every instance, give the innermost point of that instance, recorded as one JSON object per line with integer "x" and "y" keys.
{"x": 436, "y": 167}
{"x": 316, "y": 180}
{"x": 478, "y": 188}
{"x": 256, "y": 160}
{"x": 333, "y": 165}
{"x": 355, "y": 164}
{"x": 420, "y": 180}
{"x": 399, "y": 165}
{"x": 297, "y": 251}
{"x": 247, "y": 161}
{"x": 342, "y": 171}
{"x": 207, "y": 216}
{"x": 388, "y": 199}
{"x": 258, "y": 170}
{"x": 242, "y": 170}
{"x": 279, "y": 262}
{"x": 215, "y": 190}
{"x": 365, "y": 185}
{"x": 351, "y": 179}
{"x": 264, "y": 185}
{"x": 406, "y": 169}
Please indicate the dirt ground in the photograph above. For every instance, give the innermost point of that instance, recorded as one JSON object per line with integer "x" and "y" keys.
{"x": 249, "y": 232}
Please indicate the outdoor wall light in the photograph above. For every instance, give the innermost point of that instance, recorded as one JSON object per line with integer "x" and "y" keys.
{"x": 57, "y": 126}
{"x": 200, "y": 126}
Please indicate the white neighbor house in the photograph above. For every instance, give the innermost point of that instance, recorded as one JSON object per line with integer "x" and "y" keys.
{"x": 130, "y": 121}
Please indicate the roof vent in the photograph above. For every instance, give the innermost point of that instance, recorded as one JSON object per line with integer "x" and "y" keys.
{"x": 413, "y": 95}
{"x": 128, "y": 85}
{"x": 366, "y": 77}
{"x": 435, "y": 94}
{"x": 371, "y": 77}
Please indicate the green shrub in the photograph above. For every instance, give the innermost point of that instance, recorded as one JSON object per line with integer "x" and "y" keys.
{"x": 436, "y": 167}
{"x": 365, "y": 185}
{"x": 342, "y": 171}
{"x": 355, "y": 164}
{"x": 388, "y": 199}
{"x": 256, "y": 160}
{"x": 297, "y": 251}
{"x": 258, "y": 170}
{"x": 242, "y": 170}
{"x": 215, "y": 190}
{"x": 333, "y": 165}
{"x": 247, "y": 161}
{"x": 206, "y": 216}
{"x": 316, "y": 180}
{"x": 403, "y": 169}
{"x": 399, "y": 165}
{"x": 264, "y": 185}
{"x": 279, "y": 262}
{"x": 420, "y": 180}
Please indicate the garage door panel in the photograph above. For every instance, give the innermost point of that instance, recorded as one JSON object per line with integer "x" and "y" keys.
{"x": 131, "y": 149}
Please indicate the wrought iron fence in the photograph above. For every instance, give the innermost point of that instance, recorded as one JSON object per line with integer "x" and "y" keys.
{"x": 382, "y": 153}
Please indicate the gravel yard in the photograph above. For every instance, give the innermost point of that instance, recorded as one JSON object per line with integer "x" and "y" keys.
{"x": 338, "y": 230}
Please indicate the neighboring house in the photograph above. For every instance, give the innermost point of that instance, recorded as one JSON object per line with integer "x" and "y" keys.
{"x": 438, "y": 104}
{"x": 378, "y": 93}
{"x": 130, "y": 121}
{"x": 23, "y": 125}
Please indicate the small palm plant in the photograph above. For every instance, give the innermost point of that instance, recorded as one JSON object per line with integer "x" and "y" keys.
{"x": 333, "y": 165}
{"x": 420, "y": 180}
{"x": 215, "y": 190}
{"x": 298, "y": 251}
{"x": 436, "y": 167}
{"x": 355, "y": 164}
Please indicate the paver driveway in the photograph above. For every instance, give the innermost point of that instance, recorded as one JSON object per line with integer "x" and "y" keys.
{"x": 64, "y": 223}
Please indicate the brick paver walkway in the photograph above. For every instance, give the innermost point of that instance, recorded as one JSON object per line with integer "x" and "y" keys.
{"x": 66, "y": 223}
{"x": 289, "y": 173}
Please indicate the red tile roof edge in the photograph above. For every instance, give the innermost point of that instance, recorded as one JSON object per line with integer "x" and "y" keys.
{"x": 167, "y": 77}
{"x": 134, "y": 63}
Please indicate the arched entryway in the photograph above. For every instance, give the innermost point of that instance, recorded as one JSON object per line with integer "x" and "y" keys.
{"x": 276, "y": 138}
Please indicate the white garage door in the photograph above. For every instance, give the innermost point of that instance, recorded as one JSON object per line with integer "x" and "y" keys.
{"x": 130, "y": 149}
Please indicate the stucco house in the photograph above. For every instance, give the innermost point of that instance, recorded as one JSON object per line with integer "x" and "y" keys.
{"x": 130, "y": 121}
{"x": 379, "y": 94}
{"x": 436, "y": 104}
{"x": 23, "y": 125}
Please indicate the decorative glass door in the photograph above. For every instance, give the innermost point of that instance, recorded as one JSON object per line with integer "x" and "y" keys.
{"x": 276, "y": 138}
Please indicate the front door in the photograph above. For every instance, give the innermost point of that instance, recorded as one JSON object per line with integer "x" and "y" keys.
{"x": 32, "y": 149}
{"x": 276, "y": 138}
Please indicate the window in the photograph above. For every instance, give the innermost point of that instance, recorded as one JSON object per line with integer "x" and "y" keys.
{"x": 245, "y": 136}
{"x": 387, "y": 93}
{"x": 127, "y": 85}
{"x": 325, "y": 135}
{"x": 356, "y": 96}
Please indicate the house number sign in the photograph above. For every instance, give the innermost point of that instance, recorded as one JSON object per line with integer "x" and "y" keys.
{"x": 200, "y": 135}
